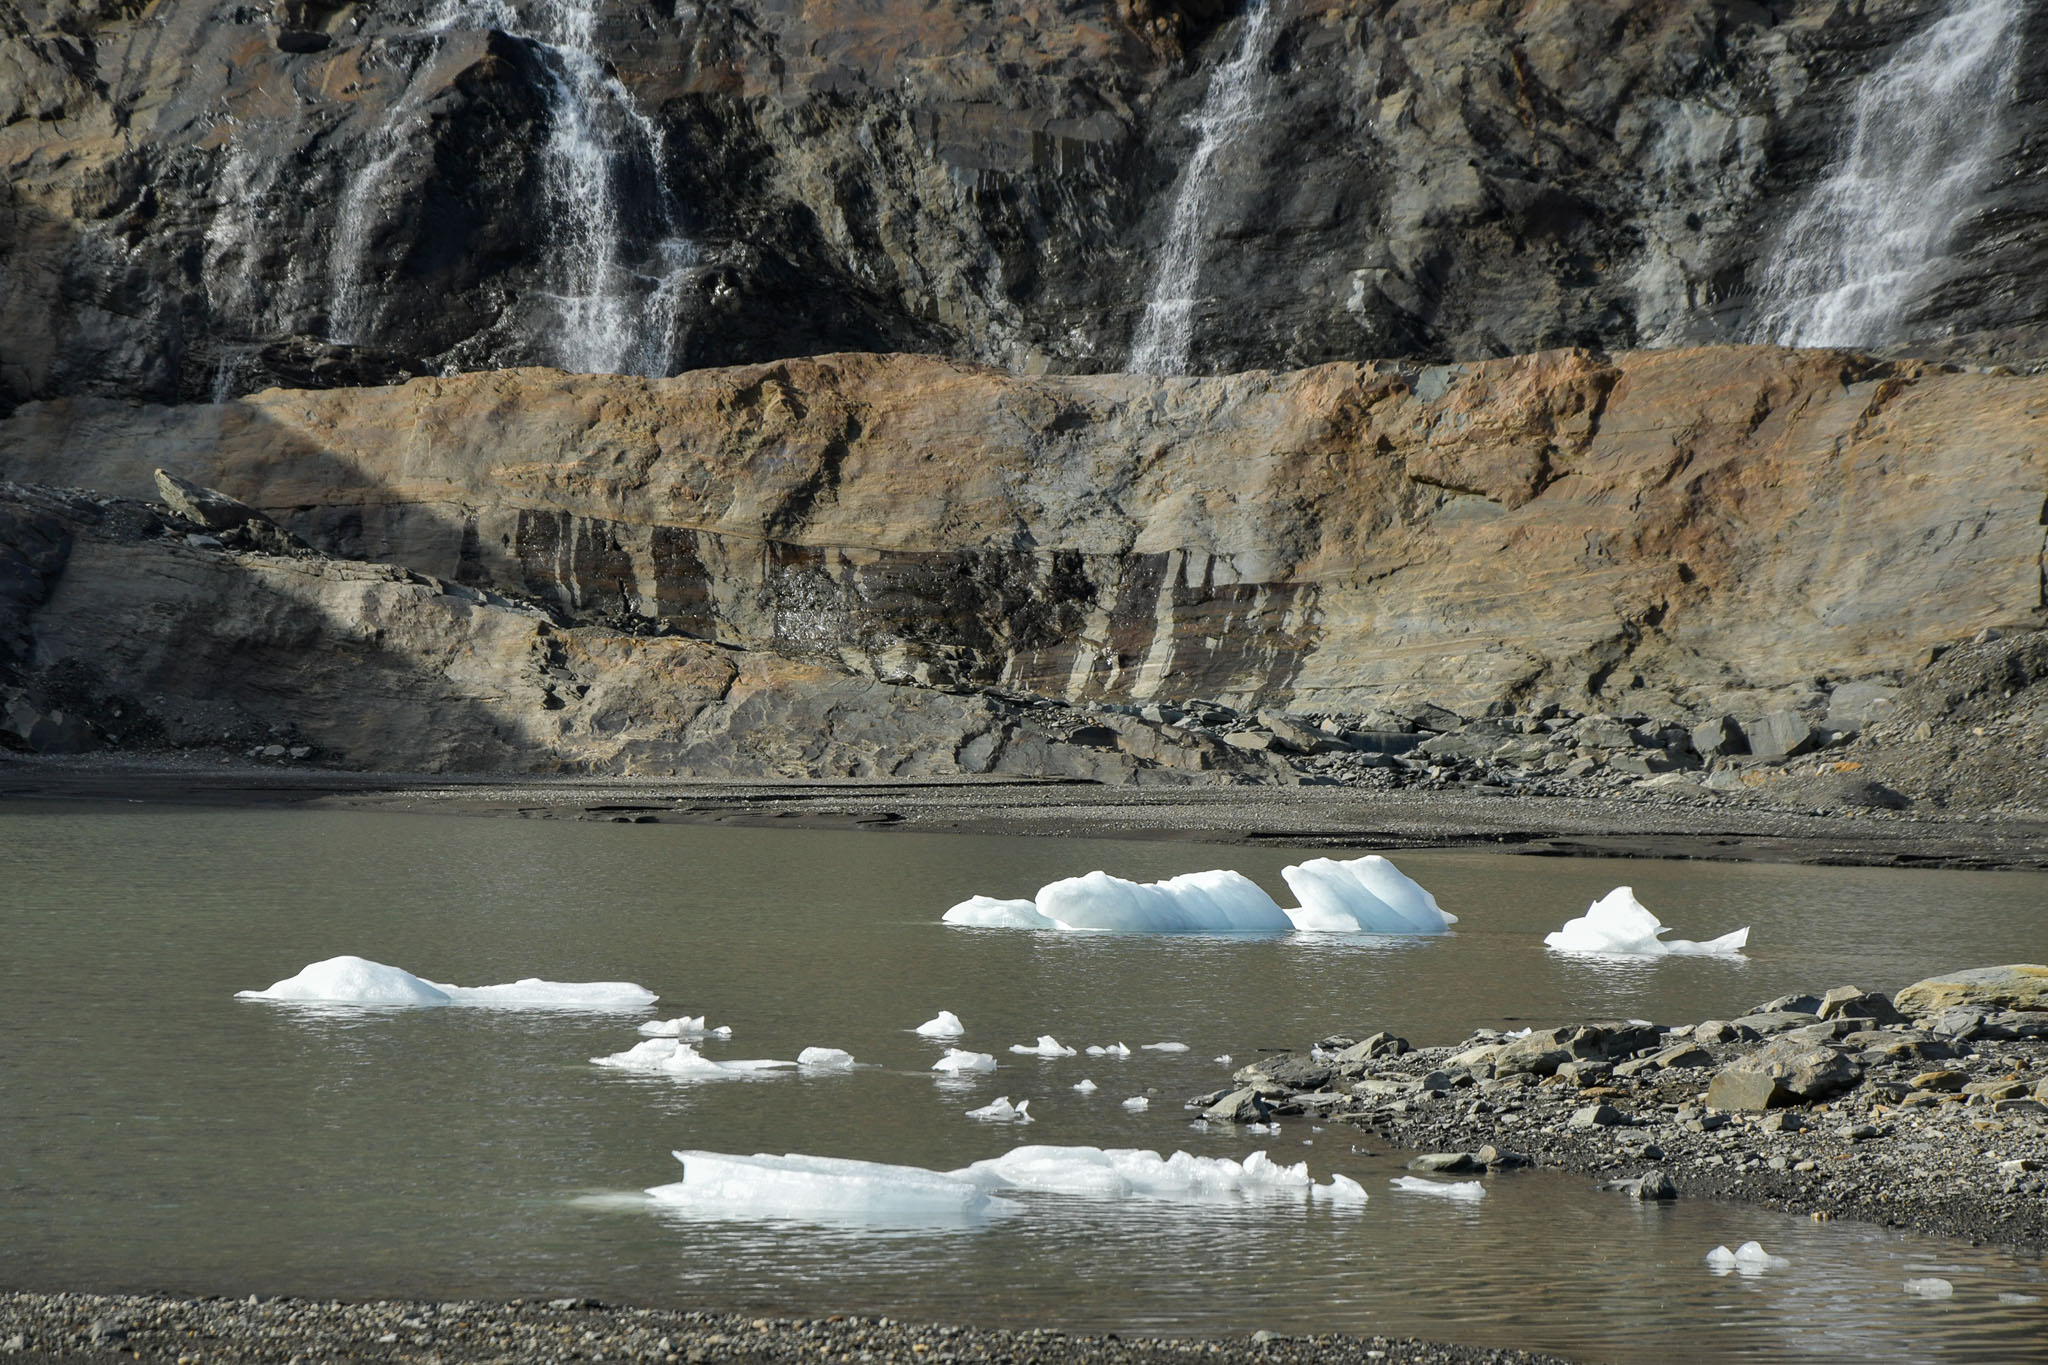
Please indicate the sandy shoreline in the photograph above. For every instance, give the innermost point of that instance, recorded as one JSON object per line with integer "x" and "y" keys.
{"x": 1589, "y": 826}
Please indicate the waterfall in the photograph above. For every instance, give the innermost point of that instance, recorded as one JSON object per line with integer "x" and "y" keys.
{"x": 1863, "y": 247}
{"x": 612, "y": 307}
{"x": 1167, "y": 328}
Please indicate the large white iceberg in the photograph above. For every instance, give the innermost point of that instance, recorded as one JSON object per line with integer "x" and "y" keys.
{"x": 1342, "y": 1191}
{"x": 822, "y": 1189}
{"x": 1617, "y": 924}
{"x": 959, "y": 1059}
{"x": 1122, "y": 1173}
{"x": 946, "y": 1025}
{"x": 672, "y": 1057}
{"x": 1363, "y": 895}
{"x": 361, "y": 982}
{"x": 825, "y": 1059}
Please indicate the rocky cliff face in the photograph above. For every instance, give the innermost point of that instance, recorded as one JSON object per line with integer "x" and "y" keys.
{"x": 202, "y": 199}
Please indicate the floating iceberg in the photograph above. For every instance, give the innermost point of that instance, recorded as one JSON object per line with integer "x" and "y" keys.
{"x": 1086, "y": 1087}
{"x": 1749, "y": 1259}
{"x": 359, "y": 981}
{"x": 1122, "y": 1173}
{"x": 1137, "y": 1104}
{"x": 825, "y": 1059}
{"x": 822, "y": 1189}
{"x": 1046, "y": 1046}
{"x": 958, "y": 1060}
{"x": 1223, "y": 1060}
{"x": 1618, "y": 924}
{"x": 1466, "y": 1191}
{"x": 1342, "y": 1190}
{"x": 1000, "y": 1110}
{"x": 1932, "y": 1287}
{"x": 1364, "y": 895}
{"x": 947, "y": 1025}
{"x": 684, "y": 1027}
{"x": 1164, "y": 1047}
{"x": 673, "y": 1057}
{"x": 986, "y": 912}
{"x": 1113, "y": 1050}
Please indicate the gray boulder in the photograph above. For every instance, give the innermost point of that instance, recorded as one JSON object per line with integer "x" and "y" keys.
{"x": 1781, "y": 734}
{"x": 1789, "y": 1071}
{"x": 1850, "y": 1002}
{"x": 208, "y": 507}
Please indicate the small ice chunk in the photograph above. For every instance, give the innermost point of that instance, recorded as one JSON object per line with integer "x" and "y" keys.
{"x": 1200, "y": 1125}
{"x": 1122, "y": 1173}
{"x": 1362, "y": 895}
{"x": 1465, "y": 1191}
{"x": 357, "y": 981}
{"x": 825, "y": 1059}
{"x": 1137, "y": 1104}
{"x": 986, "y": 912}
{"x": 2011, "y": 1299}
{"x": 947, "y": 1025}
{"x": 684, "y": 1026}
{"x": 958, "y": 1060}
{"x": 1931, "y": 1287}
{"x": 822, "y": 1189}
{"x": 1223, "y": 1060}
{"x": 1270, "y": 1129}
{"x": 1341, "y": 1190}
{"x": 1086, "y": 1087}
{"x": 675, "y": 1058}
{"x": 1000, "y": 1110}
{"x": 1113, "y": 1050}
{"x": 1618, "y": 925}
{"x": 1749, "y": 1259}
{"x": 1214, "y": 902}
{"x": 1164, "y": 1047}
{"x": 1046, "y": 1046}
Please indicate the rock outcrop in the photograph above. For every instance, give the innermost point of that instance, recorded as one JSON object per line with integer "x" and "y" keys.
{"x": 203, "y": 201}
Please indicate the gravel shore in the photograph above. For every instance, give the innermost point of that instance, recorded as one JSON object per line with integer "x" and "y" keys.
{"x": 188, "y": 1330}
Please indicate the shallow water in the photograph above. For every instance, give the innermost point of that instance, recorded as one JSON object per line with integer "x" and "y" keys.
{"x": 157, "y": 1133}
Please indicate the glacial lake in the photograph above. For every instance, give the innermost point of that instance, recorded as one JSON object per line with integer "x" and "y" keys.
{"x": 158, "y": 1134}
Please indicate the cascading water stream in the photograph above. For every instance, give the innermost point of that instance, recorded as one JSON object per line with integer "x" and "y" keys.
{"x": 1864, "y": 246}
{"x": 610, "y": 313}
{"x": 1167, "y": 329}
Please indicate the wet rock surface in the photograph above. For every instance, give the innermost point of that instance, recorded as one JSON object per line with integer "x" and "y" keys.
{"x": 1936, "y": 1122}
{"x": 129, "y": 1327}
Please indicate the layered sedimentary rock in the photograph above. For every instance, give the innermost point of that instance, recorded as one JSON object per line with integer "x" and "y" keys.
{"x": 201, "y": 199}
{"x": 1668, "y": 532}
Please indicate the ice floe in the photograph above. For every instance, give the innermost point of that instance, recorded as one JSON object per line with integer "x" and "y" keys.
{"x": 1465, "y": 1191}
{"x": 1164, "y": 1047}
{"x": 1112, "y": 1050}
{"x": 361, "y": 982}
{"x": 822, "y": 1189}
{"x": 1618, "y": 925}
{"x": 1137, "y": 1104}
{"x": 825, "y": 1059}
{"x": 1046, "y": 1046}
{"x": 1223, "y": 1060}
{"x": 1362, "y": 895}
{"x": 1121, "y": 1173}
{"x": 1000, "y": 1110}
{"x": 1086, "y": 1087}
{"x": 673, "y": 1057}
{"x": 1931, "y": 1287}
{"x": 958, "y": 1060}
{"x": 684, "y": 1026}
{"x": 1342, "y": 1190}
{"x": 947, "y": 1025}
{"x": 1748, "y": 1259}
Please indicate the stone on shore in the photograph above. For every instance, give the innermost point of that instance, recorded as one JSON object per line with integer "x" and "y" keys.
{"x": 2020, "y": 986}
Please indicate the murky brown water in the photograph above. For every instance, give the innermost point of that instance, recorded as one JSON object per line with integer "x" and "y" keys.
{"x": 157, "y": 1134}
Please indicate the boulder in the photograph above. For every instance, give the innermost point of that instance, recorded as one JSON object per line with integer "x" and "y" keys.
{"x": 1857, "y": 705}
{"x": 208, "y": 507}
{"x": 1781, "y": 734}
{"x": 1719, "y": 736}
{"x": 1798, "y": 1071}
{"x": 1850, "y": 1002}
{"x": 2020, "y": 986}
{"x": 1287, "y": 1071}
{"x": 1755, "y": 1090}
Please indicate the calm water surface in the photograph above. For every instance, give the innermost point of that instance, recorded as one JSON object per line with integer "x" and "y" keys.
{"x": 155, "y": 1133}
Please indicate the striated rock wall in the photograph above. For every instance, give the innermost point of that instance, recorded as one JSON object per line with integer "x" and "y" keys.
{"x": 1665, "y": 532}
{"x": 203, "y": 199}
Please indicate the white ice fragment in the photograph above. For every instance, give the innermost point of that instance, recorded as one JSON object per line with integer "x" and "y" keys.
{"x": 1272, "y": 1129}
{"x": 1113, "y": 1050}
{"x": 1342, "y": 1190}
{"x": 2016, "y": 1300}
{"x": 1224, "y": 1060}
{"x": 1465, "y": 1191}
{"x": 1164, "y": 1047}
{"x": 1618, "y": 925}
{"x": 821, "y": 1189}
{"x": 947, "y": 1025}
{"x": 1363, "y": 895}
{"x": 1200, "y": 1125}
{"x": 1000, "y": 1110}
{"x": 958, "y": 1060}
{"x": 986, "y": 912}
{"x": 825, "y": 1059}
{"x": 674, "y": 1058}
{"x": 1046, "y": 1046}
{"x": 1086, "y": 1087}
{"x": 1137, "y": 1104}
{"x": 684, "y": 1026}
{"x": 1121, "y": 1173}
{"x": 1932, "y": 1287}
{"x": 357, "y": 981}
{"x": 1748, "y": 1259}
{"x": 1213, "y": 902}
